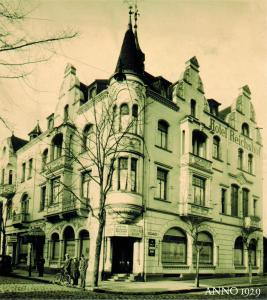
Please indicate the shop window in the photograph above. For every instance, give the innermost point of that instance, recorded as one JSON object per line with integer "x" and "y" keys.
{"x": 252, "y": 253}
{"x": 87, "y": 136}
{"x": 216, "y": 147}
{"x": 69, "y": 241}
{"x": 174, "y": 247}
{"x": 199, "y": 143}
{"x": 245, "y": 196}
{"x": 240, "y": 159}
{"x": 205, "y": 245}
{"x": 234, "y": 200}
{"x": 84, "y": 243}
{"x": 54, "y": 246}
{"x": 239, "y": 252}
{"x": 162, "y": 177}
{"x": 55, "y": 195}
{"x": 245, "y": 129}
{"x": 86, "y": 178}
{"x": 223, "y": 201}
{"x": 199, "y": 190}
{"x": 162, "y": 136}
{"x": 57, "y": 144}
{"x": 250, "y": 163}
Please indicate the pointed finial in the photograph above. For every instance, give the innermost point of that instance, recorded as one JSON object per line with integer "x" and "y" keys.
{"x": 130, "y": 16}
{"x": 136, "y": 14}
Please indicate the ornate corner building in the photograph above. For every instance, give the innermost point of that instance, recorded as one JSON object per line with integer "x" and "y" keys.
{"x": 183, "y": 157}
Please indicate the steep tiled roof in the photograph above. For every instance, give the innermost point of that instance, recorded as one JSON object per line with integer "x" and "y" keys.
{"x": 17, "y": 143}
{"x": 223, "y": 113}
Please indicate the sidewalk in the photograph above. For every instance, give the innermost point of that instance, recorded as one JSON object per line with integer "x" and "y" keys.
{"x": 155, "y": 287}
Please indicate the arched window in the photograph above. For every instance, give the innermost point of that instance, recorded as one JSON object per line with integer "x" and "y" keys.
{"x": 124, "y": 116}
{"x": 216, "y": 147}
{"x": 10, "y": 177}
{"x": 162, "y": 137}
{"x": 25, "y": 204}
{"x": 54, "y": 246}
{"x": 245, "y": 196}
{"x": 239, "y": 252}
{"x": 87, "y": 135}
{"x": 250, "y": 163}
{"x": 252, "y": 253}
{"x": 199, "y": 143}
{"x": 245, "y": 129}
{"x": 84, "y": 243}
{"x": 234, "y": 200}
{"x": 44, "y": 158}
{"x": 205, "y": 244}
{"x": 66, "y": 113}
{"x": 174, "y": 247}
{"x": 135, "y": 118}
{"x": 240, "y": 158}
{"x": 57, "y": 143}
{"x": 193, "y": 105}
{"x": 69, "y": 241}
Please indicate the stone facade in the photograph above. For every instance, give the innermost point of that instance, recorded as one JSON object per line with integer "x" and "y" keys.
{"x": 183, "y": 157}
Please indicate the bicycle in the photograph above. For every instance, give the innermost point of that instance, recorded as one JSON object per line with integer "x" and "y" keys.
{"x": 63, "y": 278}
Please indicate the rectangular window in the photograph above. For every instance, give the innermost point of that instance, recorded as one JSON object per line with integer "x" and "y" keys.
{"x": 223, "y": 201}
{"x": 30, "y": 169}
{"x": 161, "y": 192}
{"x": 123, "y": 173}
{"x": 86, "y": 178}
{"x": 199, "y": 190}
{"x": 162, "y": 138}
{"x": 255, "y": 207}
{"x": 234, "y": 200}
{"x": 133, "y": 174}
{"x": 55, "y": 190}
{"x": 174, "y": 250}
{"x": 23, "y": 174}
{"x": 43, "y": 198}
{"x": 245, "y": 194}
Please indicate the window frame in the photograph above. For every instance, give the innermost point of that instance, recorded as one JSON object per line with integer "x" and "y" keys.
{"x": 162, "y": 134}
{"x": 162, "y": 181}
{"x": 199, "y": 187}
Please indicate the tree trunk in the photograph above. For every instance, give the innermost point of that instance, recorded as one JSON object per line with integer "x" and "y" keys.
{"x": 249, "y": 267}
{"x": 97, "y": 253}
{"x": 3, "y": 241}
{"x": 197, "y": 269}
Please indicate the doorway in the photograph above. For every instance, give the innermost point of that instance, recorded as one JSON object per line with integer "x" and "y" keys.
{"x": 122, "y": 260}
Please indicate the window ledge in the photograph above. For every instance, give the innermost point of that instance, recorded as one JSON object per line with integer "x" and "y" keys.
{"x": 242, "y": 170}
{"x": 174, "y": 266}
{"x": 205, "y": 266}
{"x": 165, "y": 149}
{"x": 162, "y": 200}
{"x": 217, "y": 159}
{"x": 240, "y": 267}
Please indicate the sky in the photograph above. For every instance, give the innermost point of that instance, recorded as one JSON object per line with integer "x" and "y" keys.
{"x": 228, "y": 37}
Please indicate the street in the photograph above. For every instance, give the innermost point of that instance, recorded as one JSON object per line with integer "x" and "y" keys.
{"x": 16, "y": 288}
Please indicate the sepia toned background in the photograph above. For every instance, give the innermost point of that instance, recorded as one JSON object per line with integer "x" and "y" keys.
{"x": 228, "y": 37}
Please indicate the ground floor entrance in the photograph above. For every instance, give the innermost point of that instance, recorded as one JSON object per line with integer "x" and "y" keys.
{"x": 122, "y": 259}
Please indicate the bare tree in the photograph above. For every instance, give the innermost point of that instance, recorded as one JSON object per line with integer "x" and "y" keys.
{"x": 194, "y": 223}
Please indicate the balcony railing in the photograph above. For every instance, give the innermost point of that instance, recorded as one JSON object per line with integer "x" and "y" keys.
{"x": 20, "y": 218}
{"x": 7, "y": 190}
{"x": 61, "y": 162}
{"x": 252, "y": 222}
{"x": 196, "y": 161}
{"x": 193, "y": 209}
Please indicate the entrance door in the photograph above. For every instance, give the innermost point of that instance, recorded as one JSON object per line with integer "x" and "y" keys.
{"x": 122, "y": 258}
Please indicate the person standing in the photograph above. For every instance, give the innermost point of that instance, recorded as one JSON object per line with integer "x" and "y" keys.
{"x": 74, "y": 270}
{"x": 83, "y": 265}
{"x": 67, "y": 262}
{"x": 40, "y": 266}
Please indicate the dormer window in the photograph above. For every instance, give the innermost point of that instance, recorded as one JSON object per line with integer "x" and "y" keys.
{"x": 50, "y": 122}
{"x": 245, "y": 129}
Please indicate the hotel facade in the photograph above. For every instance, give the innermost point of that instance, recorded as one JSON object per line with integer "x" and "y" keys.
{"x": 185, "y": 157}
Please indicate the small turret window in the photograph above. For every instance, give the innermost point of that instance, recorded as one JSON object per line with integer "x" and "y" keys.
{"x": 135, "y": 118}
{"x": 124, "y": 116}
{"x": 245, "y": 129}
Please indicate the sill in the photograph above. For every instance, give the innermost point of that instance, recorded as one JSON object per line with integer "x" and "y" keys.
{"x": 162, "y": 200}
{"x": 174, "y": 266}
{"x": 242, "y": 170}
{"x": 217, "y": 159}
{"x": 162, "y": 148}
{"x": 241, "y": 267}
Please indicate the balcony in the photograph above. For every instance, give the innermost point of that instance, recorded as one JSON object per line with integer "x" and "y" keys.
{"x": 252, "y": 222}
{"x": 7, "y": 190}
{"x": 62, "y": 162}
{"x": 66, "y": 210}
{"x": 197, "y": 162}
{"x": 192, "y": 209}
{"x": 18, "y": 220}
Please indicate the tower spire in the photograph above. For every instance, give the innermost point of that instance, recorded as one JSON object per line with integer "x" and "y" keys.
{"x": 136, "y": 14}
{"x": 130, "y": 17}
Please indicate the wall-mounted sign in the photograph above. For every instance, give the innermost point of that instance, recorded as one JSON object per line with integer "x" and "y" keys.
{"x": 124, "y": 230}
{"x": 12, "y": 239}
{"x": 151, "y": 247}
